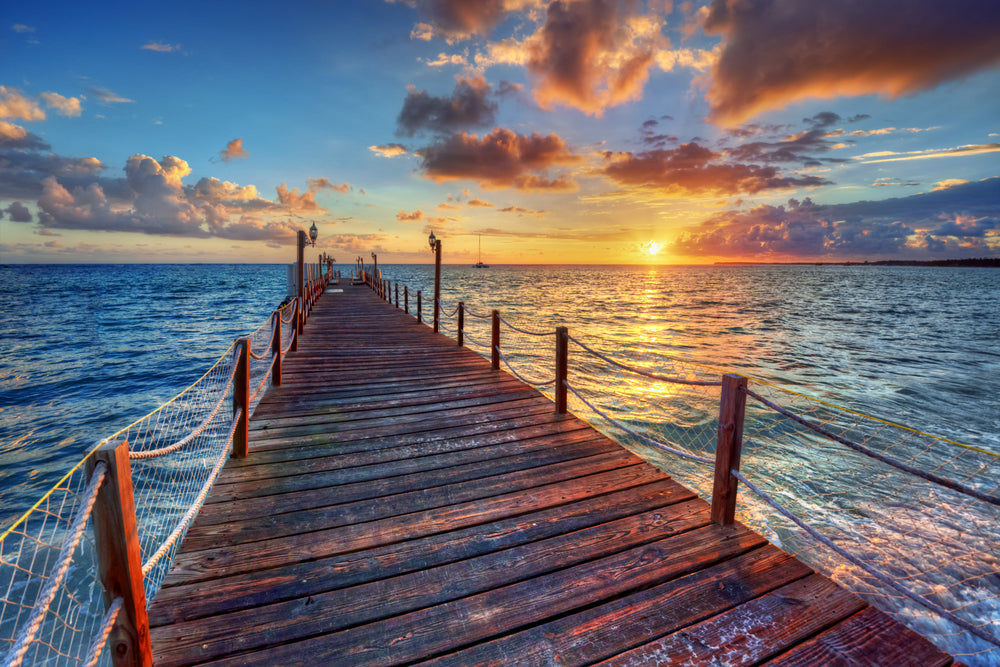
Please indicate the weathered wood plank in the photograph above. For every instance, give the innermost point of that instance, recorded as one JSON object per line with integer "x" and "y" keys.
{"x": 185, "y": 602}
{"x": 870, "y": 637}
{"x": 609, "y": 629}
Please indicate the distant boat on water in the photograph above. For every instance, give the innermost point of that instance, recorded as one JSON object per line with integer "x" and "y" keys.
{"x": 479, "y": 264}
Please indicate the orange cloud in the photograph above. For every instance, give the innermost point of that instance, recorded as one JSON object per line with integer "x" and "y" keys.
{"x": 15, "y": 105}
{"x": 461, "y": 19}
{"x": 592, "y": 54}
{"x": 501, "y": 159}
{"x": 317, "y": 184}
{"x": 67, "y": 106}
{"x": 234, "y": 151}
{"x": 692, "y": 169}
{"x": 389, "y": 150}
{"x": 415, "y": 216}
{"x": 293, "y": 200}
{"x": 830, "y": 49}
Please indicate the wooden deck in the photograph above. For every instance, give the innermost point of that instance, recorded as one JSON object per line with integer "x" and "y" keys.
{"x": 403, "y": 503}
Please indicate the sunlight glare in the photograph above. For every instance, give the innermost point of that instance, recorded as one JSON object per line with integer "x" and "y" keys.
{"x": 652, "y": 247}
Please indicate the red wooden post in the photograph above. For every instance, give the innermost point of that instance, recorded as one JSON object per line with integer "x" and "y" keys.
{"x": 495, "y": 341}
{"x": 295, "y": 326}
{"x": 406, "y": 298}
{"x": 562, "y": 357}
{"x": 418, "y": 307}
{"x": 461, "y": 323}
{"x": 732, "y": 406}
{"x": 276, "y": 349}
{"x": 119, "y": 557}
{"x": 241, "y": 396}
{"x": 397, "y": 295}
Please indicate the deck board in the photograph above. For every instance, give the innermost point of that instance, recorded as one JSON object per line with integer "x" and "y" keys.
{"x": 404, "y": 503}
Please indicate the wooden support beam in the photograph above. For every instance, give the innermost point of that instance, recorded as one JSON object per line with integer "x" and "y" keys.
{"x": 461, "y": 323}
{"x": 419, "y": 317}
{"x": 406, "y": 298}
{"x": 732, "y": 406}
{"x": 241, "y": 397}
{"x": 119, "y": 557}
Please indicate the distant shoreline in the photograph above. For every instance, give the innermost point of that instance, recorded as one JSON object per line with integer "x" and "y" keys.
{"x": 988, "y": 262}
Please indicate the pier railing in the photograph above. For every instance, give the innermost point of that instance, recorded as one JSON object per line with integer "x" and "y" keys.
{"x": 908, "y": 520}
{"x": 78, "y": 569}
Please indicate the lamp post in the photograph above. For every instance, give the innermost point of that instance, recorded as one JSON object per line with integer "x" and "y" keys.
{"x": 313, "y": 233}
{"x": 436, "y": 247}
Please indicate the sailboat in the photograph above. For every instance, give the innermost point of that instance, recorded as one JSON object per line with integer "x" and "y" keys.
{"x": 479, "y": 264}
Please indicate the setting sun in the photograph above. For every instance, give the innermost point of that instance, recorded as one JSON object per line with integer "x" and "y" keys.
{"x": 652, "y": 247}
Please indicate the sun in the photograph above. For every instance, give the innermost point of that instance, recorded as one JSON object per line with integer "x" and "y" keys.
{"x": 652, "y": 247}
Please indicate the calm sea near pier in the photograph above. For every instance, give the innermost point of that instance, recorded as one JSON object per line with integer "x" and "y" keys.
{"x": 87, "y": 349}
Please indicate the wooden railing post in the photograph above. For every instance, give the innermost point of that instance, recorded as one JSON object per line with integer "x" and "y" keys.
{"x": 296, "y": 329}
{"x": 562, "y": 358}
{"x": 732, "y": 406}
{"x": 406, "y": 298}
{"x": 437, "y": 282}
{"x": 419, "y": 318}
{"x": 276, "y": 350}
{"x": 119, "y": 557}
{"x": 397, "y": 295}
{"x": 461, "y": 324}
{"x": 495, "y": 341}
{"x": 241, "y": 396}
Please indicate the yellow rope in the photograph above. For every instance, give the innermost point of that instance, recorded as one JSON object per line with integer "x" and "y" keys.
{"x": 878, "y": 419}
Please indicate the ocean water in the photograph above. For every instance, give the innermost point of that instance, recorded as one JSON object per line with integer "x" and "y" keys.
{"x": 86, "y": 350}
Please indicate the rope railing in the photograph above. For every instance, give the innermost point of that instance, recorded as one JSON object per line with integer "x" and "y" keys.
{"x": 522, "y": 378}
{"x": 646, "y": 374}
{"x": 48, "y": 602}
{"x": 880, "y": 577}
{"x": 637, "y": 434}
{"x": 475, "y": 342}
{"x": 525, "y": 331}
{"x": 55, "y": 580}
{"x": 937, "y": 479}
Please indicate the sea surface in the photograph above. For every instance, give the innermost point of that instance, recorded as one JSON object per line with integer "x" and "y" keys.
{"x": 87, "y": 349}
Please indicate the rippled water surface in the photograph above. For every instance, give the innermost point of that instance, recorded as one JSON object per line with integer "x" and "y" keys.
{"x": 86, "y": 350}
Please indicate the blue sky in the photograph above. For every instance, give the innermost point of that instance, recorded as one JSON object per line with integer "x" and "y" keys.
{"x": 585, "y": 131}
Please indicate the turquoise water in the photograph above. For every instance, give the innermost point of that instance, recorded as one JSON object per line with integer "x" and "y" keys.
{"x": 86, "y": 350}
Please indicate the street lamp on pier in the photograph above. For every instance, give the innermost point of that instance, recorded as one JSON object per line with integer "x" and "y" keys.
{"x": 436, "y": 247}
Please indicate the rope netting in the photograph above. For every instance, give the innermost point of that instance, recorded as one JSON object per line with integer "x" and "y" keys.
{"x": 52, "y": 607}
{"x": 897, "y": 505}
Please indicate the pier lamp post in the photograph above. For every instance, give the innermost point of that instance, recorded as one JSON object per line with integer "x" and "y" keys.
{"x": 313, "y": 233}
{"x": 436, "y": 247}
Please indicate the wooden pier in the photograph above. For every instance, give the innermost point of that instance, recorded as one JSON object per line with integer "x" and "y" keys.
{"x": 403, "y": 503}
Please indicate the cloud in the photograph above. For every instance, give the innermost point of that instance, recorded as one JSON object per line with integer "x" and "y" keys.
{"x": 692, "y": 169}
{"x": 317, "y": 184}
{"x": 477, "y": 202}
{"x": 422, "y": 31}
{"x": 520, "y": 211}
{"x": 972, "y": 149}
{"x": 592, "y": 54}
{"x": 500, "y": 159}
{"x": 108, "y": 97}
{"x": 389, "y": 150}
{"x": 851, "y": 47}
{"x": 799, "y": 147}
{"x": 413, "y": 216}
{"x": 15, "y": 136}
{"x": 67, "y": 106}
{"x": 18, "y": 212}
{"x": 15, "y": 105}
{"x": 468, "y": 106}
{"x": 887, "y": 181}
{"x": 234, "y": 151}
{"x": 949, "y": 183}
{"x": 461, "y": 19}
{"x": 893, "y": 226}
{"x": 21, "y": 28}
{"x": 445, "y": 59}
{"x": 161, "y": 47}
{"x": 291, "y": 199}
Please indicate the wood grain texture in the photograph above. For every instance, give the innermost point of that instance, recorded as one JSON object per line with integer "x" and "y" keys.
{"x": 404, "y": 502}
